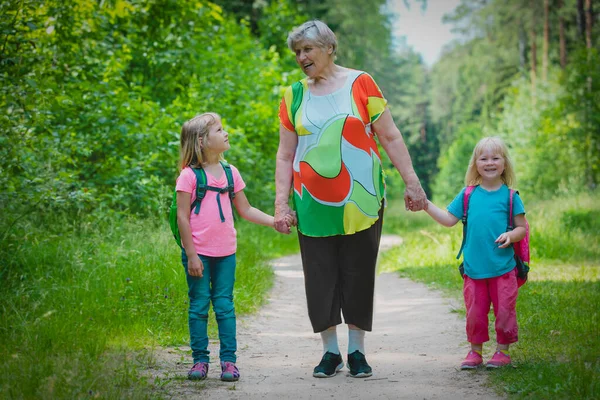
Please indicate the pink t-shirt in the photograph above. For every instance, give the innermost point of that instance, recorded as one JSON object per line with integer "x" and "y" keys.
{"x": 212, "y": 237}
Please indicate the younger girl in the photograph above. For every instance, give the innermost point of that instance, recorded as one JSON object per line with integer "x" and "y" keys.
{"x": 209, "y": 243}
{"x": 490, "y": 275}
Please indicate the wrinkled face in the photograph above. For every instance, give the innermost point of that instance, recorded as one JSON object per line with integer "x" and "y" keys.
{"x": 217, "y": 139}
{"x": 490, "y": 165}
{"x": 311, "y": 58}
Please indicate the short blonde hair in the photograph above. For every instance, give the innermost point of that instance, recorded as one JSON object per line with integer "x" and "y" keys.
{"x": 193, "y": 133}
{"x": 496, "y": 145}
{"x": 315, "y": 32}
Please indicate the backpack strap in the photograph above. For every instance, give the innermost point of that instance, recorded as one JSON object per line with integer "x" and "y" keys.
{"x": 229, "y": 175}
{"x": 227, "y": 189}
{"x": 511, "y": 196}
{"x": 466, "y": 200}
{"x": 200, "y": 189}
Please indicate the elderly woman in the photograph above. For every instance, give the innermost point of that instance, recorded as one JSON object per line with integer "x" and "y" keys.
{"x": 329, "y": 157}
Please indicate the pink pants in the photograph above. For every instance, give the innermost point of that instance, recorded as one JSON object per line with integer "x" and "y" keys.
{"x": 500, "y": 291}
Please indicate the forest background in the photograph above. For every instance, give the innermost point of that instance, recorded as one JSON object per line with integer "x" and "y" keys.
{"x": 93, "y": 95}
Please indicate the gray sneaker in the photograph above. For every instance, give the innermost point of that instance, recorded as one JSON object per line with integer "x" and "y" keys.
{"x": 330, "y": 364}
{"x": 358, "y": 366}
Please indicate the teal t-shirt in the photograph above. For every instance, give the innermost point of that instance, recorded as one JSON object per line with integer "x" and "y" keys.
{"x": 487, "y": 218}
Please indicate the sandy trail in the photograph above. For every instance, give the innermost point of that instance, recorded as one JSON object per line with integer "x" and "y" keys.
{"x": 414, "y": 349}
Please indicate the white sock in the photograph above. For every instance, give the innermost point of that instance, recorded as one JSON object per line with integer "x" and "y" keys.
{"x": 330, "y": 341}
{"x": 356, "y": 340}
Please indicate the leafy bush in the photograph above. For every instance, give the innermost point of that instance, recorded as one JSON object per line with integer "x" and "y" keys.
{"x": 95, "y": 94}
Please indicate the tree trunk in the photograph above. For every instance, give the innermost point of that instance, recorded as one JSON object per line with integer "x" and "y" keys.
{"x": 533, "y": 47}
{"x": 561, "y": 33}
{"x": 522, "y": 47}
{"x": 545, "y": 44}
{"x": 590, "y": 129}
{"x": 581, "y": 19}
{"x": 588, "y": 24}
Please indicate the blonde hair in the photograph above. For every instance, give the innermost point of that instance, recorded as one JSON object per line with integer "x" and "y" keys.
{"x": 315, "y": 32}
{"x": 497, "y": 146}
{"x": 193, "y": 133}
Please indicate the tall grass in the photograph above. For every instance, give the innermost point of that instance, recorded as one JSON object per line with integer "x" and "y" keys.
{"x": 81, "y": 309}
{"x": 558, "y": 354}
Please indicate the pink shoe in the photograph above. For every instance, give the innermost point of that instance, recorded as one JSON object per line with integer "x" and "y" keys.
{"x": 472, "y": 361}
{"x": 198, "y": 371}
{"x": 499, "y": 359}
{"x": 229, "y": 372}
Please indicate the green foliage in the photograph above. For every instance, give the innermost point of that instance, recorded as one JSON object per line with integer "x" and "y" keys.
{"x": 80, "y": 310}
{"x": 548, "y": 115}
{"x": 278, "y": 20}
{"x": 573, "y": 217}
{"x": 560, "y": 128}
{"x": 94, "y": 96}
{"x": 454, "y": 162}
{"x": 405, "y": 85}
{"x": 558, "y": 354}
{"x": 584, "y": 220}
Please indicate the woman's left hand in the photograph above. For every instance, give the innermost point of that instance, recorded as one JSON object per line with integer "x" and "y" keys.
{"x": 415, "y": 198}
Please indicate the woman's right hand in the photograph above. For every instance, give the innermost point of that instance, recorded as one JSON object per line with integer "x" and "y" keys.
{"x": 282, "y": 218}
{"x": 195, "y": 266}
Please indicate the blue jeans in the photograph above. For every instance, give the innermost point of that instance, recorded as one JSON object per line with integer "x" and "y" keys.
{"x": 216, "y": 286}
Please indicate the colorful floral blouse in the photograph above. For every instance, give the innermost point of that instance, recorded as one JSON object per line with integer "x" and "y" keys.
{"x": 338, "y": 183}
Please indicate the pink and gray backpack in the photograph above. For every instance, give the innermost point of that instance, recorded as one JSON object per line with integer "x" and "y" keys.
{"x": 521, "y": 247}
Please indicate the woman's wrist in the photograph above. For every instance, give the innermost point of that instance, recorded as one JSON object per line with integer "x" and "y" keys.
{"x": 412, "y": 180}
{"x": 281, "y": 205}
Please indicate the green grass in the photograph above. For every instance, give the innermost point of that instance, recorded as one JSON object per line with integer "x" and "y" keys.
{"x": 81, "y": 309}
{"x": 558, "y": 354}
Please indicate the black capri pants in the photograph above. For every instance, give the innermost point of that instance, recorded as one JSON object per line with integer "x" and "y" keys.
{"x": 339, "y": 275}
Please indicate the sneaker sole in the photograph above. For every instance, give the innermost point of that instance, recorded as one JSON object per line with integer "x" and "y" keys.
{"x": 362, "y": 375}
{"x": 324, "y": 375}
{"x": 492, "y": 366}
{"x": 196, "y": 378}
{"x": 230, "y": 379}
{"x": 467, "y": 367}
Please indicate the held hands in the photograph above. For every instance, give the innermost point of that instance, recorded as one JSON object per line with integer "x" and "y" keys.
{"x": 504, "y": 240}
{"x": 285, "y": 218}
{"x": 195, "y": 266}
{"x": 415, "y": 198}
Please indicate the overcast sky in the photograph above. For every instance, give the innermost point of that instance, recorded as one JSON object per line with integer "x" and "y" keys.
{"x": 423, "y": 30}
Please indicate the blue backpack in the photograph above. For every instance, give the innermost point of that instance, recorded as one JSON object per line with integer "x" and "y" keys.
{"x": 201, "y": 188}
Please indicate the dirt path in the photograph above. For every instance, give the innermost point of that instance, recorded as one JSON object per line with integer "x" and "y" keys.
{"x": 414, "y": 349}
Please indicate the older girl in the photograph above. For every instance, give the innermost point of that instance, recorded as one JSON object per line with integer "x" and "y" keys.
{"x": 209, "y": 240}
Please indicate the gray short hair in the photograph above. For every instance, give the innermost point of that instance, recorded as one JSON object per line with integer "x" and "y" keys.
{"x": 313, "y": 31}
